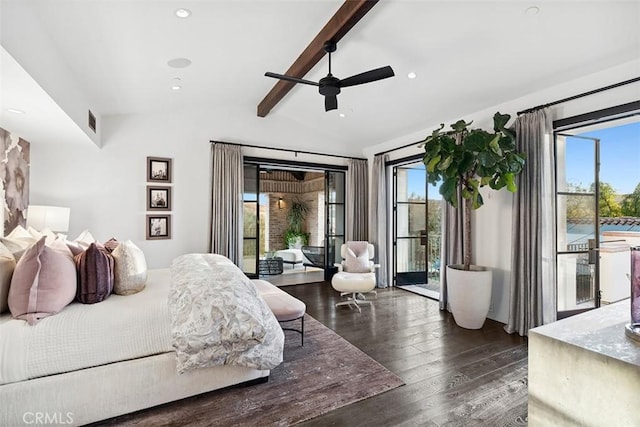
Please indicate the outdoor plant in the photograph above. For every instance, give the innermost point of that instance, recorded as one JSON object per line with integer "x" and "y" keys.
{"x": 467, "y": 159}
{"x": 295, "y": 217}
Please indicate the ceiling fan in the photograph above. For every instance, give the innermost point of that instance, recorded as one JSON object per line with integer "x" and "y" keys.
{"x": 330, "y": 85}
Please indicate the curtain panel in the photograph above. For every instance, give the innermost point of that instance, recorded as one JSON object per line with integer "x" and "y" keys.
{"x": 451, "y": 244}
{"x": 227, "y": 178}
{"x": 532, "y": 300}
{"x": 357, "y": 197}
{"x": 379, "y": 224}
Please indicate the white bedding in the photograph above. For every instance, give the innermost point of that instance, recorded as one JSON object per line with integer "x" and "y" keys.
{"x": 81, "y": 336}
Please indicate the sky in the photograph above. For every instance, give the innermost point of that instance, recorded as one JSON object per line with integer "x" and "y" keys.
{"x": 619, "y": 158}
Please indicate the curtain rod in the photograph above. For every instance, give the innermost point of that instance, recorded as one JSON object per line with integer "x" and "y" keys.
{"x": 289, "y": 150}
{"x": 399, "y": 148}
{"x": 581, "y": 95}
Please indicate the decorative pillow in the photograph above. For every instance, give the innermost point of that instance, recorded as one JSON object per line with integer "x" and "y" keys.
{"x": 7, "y": 265}
{"x": 85, "y": 239}
{"x": 43, "y": 283}
{"x": 357, "y": 263}
{"x": 95, "y": 275}
{"x": 17, "y": 245}
{"x": 19, "y": 232}
{"x": 80, "y": 244}
{"x": 130, "y": 269}
{"x": 51, "y": 236}
{"x": 111, "y": 244}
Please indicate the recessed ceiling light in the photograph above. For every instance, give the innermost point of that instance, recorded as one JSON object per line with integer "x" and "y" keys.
{"x": 183, "y": 13}
{"x": 343, "y": 115}
{"x": 176, "y": 87}
{"x": 412, "y": 75}
{"x": 15, "y": 111}
{"x": 179, "y": 62}
{"x": 532, "y": 10}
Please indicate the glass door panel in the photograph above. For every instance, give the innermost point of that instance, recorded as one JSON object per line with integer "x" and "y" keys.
{"x": 577, "y": 242}
{"x": 410, "y": 224}
{"x": 251, "y": 220}
{"x": 334, "y": 213}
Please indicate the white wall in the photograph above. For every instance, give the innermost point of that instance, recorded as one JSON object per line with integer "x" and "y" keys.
{"x": 106, "y": 188}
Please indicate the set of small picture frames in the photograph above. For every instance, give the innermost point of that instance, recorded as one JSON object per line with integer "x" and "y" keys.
{"x": 158, "y": 222}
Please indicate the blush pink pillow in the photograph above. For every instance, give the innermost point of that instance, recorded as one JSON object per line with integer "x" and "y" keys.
{"x": 357, "y": 263}
{"x": 43, "y": 283}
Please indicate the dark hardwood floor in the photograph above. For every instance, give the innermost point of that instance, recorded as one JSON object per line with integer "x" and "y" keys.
{"x": 453, "y": 376}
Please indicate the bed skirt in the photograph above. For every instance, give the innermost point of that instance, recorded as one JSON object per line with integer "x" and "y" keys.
{"x": 98, "y": 393}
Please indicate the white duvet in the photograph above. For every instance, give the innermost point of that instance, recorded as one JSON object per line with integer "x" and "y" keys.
{"x": 82, "y": 336}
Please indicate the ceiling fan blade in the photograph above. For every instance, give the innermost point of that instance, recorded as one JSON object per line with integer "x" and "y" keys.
{"x": 368, "y": 76}
{"x": 330, "y": 102}
{"x": 290, "y": 79}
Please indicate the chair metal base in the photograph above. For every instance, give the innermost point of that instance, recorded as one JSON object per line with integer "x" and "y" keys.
{"x": 356, "y": 299}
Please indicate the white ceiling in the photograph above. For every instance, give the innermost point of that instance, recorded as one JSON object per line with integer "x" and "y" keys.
{"x": 468, "y": 56}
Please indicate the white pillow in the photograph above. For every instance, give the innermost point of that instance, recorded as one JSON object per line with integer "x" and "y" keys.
{"x": 357, "y": 263}
{"x": 51, "y": 236}
{"x": 7, "y": 265}
{"x": 17, "y": 245}
{"x": 130, "y": 269}
{"x": 85, "y": 238}
{"x": 19, "y": 232}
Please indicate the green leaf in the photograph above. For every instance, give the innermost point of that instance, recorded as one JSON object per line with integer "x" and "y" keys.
{"x": 511, "y": 183}
{"x": 500, "y": 121}
{"x": 445, "y": 163}
{"x": 487, "y": 159}
{"x": 477, "y": 201}
{"x": 460, "y": 125}
{"x": 507, "y": 144}
{"x": 477, "y": 140}
{"x": 495, "y": 146}
{"x": 448, "y": 191}
{"x": 431, "y": 165}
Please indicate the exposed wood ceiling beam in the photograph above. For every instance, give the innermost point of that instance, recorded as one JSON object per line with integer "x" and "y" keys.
{"x": 340, "y": 23}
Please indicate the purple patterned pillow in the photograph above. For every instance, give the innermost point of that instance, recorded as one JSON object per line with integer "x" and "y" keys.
{"x": 95, "y": 274}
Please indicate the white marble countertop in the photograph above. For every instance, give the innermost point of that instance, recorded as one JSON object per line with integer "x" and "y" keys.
{"x": 601, "y": 331}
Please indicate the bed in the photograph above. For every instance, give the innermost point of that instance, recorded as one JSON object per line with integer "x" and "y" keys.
{"x": 93, "y": 362}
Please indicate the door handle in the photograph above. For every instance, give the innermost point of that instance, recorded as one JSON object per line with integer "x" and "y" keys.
{"x": 423, "y": 237}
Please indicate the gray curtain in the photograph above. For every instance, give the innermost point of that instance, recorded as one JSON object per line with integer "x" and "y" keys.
{"x": 378, "y": 221}
{"x": 451, "y": 244}
{"x": 357, "y": 197}
{"x": 532, "y": 300}
{"x": 227, "y": 180}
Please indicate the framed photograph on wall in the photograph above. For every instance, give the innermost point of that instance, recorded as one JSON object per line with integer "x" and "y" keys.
{"x": 158, "y": 169}
{"x": 158, "y": 198}
{"x": 158, "y": 227}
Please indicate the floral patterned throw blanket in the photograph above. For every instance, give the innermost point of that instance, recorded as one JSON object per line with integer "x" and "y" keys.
{"x": 218, "y": 318}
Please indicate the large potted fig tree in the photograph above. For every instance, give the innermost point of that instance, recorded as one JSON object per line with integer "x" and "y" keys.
{"x": 464, "y": 160}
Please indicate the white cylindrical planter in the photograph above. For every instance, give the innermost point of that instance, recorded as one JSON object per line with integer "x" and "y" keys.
{"x": 469, "y": 294}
